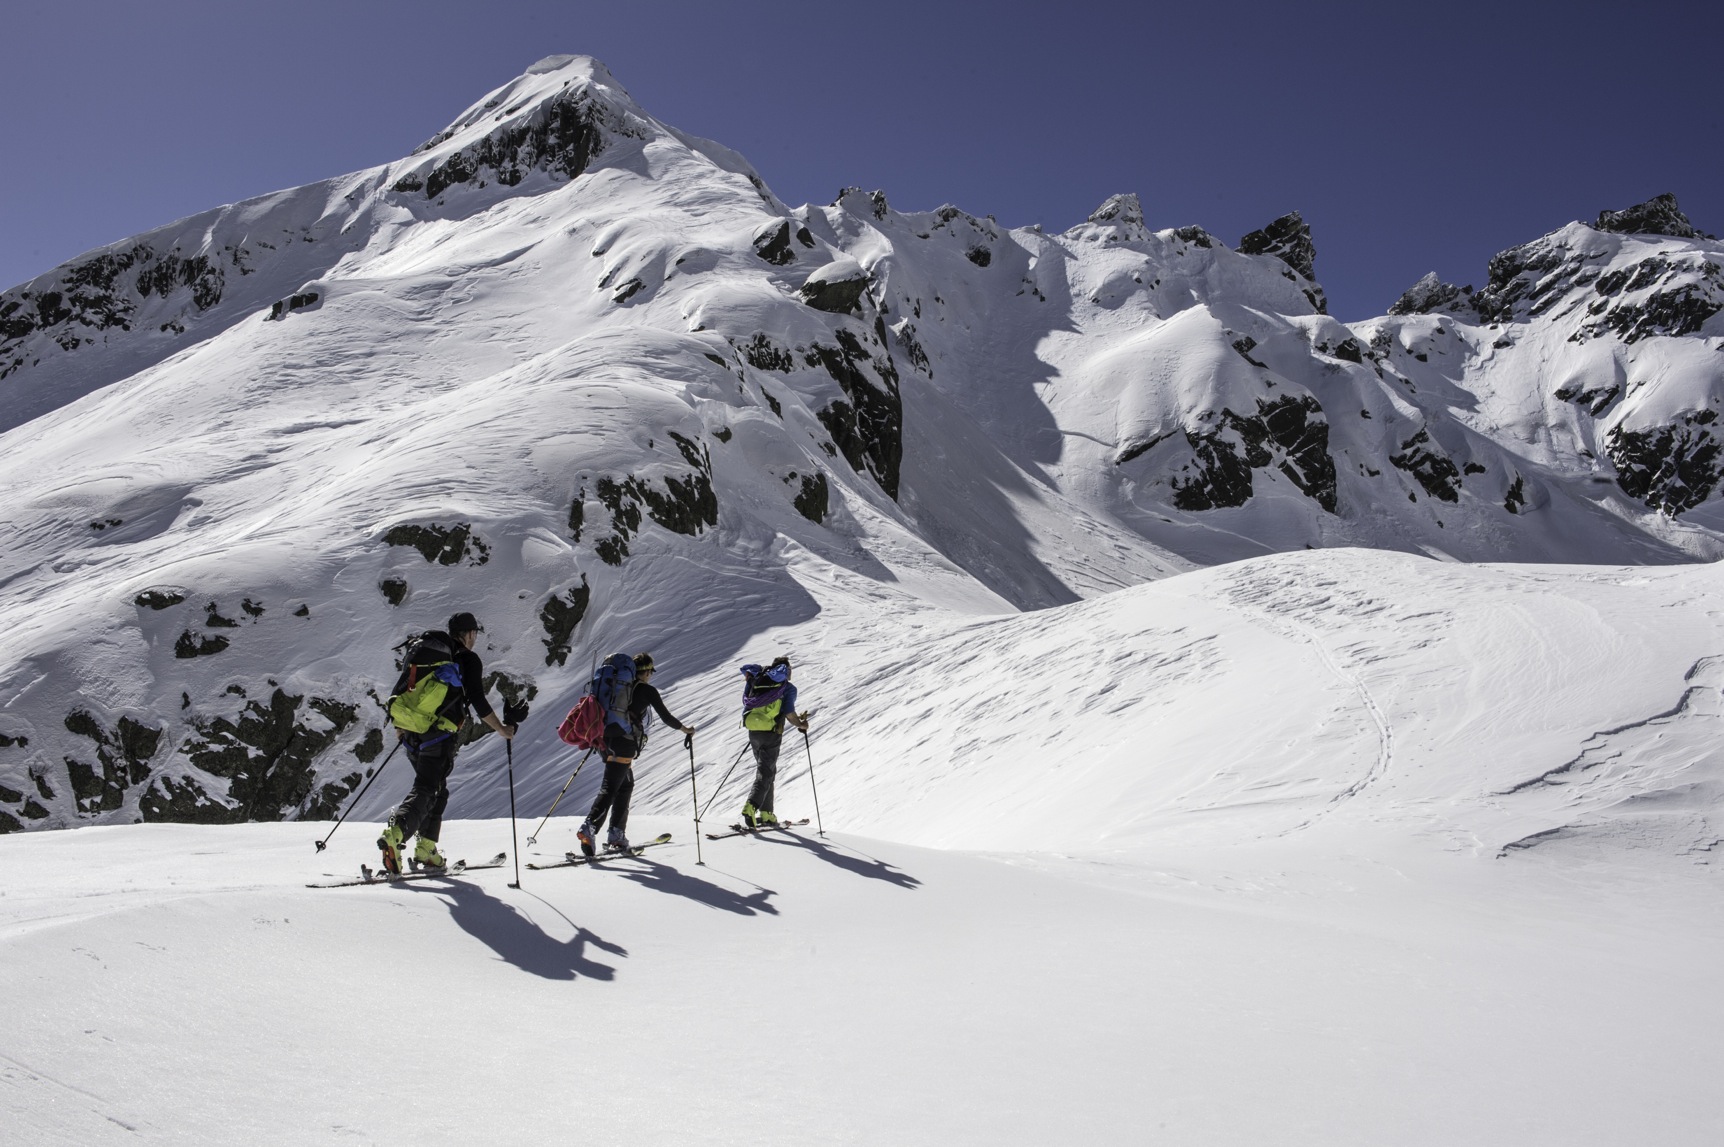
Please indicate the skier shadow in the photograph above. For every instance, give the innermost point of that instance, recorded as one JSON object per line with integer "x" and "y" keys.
{"x": 519, "y": 941}
{"x": 859, "y": 863}
{"x": 664, "y": 878}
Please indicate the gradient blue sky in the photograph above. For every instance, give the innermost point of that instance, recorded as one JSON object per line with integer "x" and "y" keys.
{"x": 1413, "y": 137}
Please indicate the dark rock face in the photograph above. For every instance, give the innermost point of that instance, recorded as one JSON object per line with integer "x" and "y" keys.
{"x": 835, "y": 296}
{"x": 267, "y": 752}
{"x": 1596, "y": 400}
{"x": 979, "y": 255}
{"x": 192, "y": 645}
{"x": 1657, "y": 216}
{"x": 561, "y": 137}
{"x": 393, "y": 589}
{"x": 98, "y": 294}
{"x": 1680, "y": 296}
{"x": 1124, "y": 209}
{"x": 686, "y": 506}
{"x": 123, "y": 760}
{"x": 762, "y": 353}
{"x": 282, "y": 307}
{"x": 560, "y": 615}
{"x": 811, "y": 502}
{"x": 1289, "y": 433}
{"x": 774, "y": 246}
{"x": 158, "y": 598}
{"x": 1434, "y": 470}
{"x": 1528, "y": 280}
{"x": 1670, "y": 468}
{"x": 183, "y": 801}
{"x": 1516, "y": 496}
{"x": 444, "y": 545}
{"x": 868, "y": 429}
{"x": 1288, "y": 239}
{"x": 1430, "y": 295}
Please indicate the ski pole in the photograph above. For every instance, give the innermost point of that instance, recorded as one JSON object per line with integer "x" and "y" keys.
{"x": 351, "y": 807}
{"x": 698, "y": 859}
{"x": 727, "y": 772}
{"x": 509, "y": 750}
{"x": 534, "y": 839}
{"x": 817, "y": 821}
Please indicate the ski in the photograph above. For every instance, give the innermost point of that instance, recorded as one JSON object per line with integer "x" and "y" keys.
{"x": 572, "y": 859}
{"x": 369, "y": 875}
{"x": 744, "y": 830}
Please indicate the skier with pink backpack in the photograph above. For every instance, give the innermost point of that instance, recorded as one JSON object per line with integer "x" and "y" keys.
{"x": 614, "y": 715}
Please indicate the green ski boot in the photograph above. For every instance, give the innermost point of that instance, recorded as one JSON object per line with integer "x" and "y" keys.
{"x": 390, "y": 842}
{"x": 426, "y": 858}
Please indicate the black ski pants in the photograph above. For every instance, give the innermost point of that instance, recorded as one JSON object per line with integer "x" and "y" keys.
{"x": 613, "y": 796}
{"x": 433, "y": 758}
{"x": 765, "y": 744}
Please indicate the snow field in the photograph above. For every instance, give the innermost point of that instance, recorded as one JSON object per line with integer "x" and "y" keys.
{"x": 178, "y": 984}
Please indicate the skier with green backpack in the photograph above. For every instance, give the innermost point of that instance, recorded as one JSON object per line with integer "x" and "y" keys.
{"x": 768, "y": 702}
{"x": 441, "y": 680}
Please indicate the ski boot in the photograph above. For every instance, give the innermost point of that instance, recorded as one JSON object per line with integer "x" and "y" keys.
{"x": 764, "y": 818}
{"x": 390, "y": 842}
{"x": 616, "y": 840}
{"x": 426, "y": 858}
{"x": 585, "y": 835}
{"x": 749, "y": 815}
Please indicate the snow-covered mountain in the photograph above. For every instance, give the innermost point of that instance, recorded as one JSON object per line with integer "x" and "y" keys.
{"x": 583, "y": 373}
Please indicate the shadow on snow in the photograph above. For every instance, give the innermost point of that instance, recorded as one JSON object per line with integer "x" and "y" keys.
{"x": 518, "y": 940}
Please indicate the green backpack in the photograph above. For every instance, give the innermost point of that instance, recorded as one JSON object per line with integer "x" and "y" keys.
{"x": 430, "y": 692}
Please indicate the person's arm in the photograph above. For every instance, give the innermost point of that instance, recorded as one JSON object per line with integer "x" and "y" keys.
{"x": 473, "y": 685}
{"x": 790, "y": 713}
{"x": 657, "y": 701}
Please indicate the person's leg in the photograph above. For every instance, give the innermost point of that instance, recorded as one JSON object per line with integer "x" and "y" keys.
{"x": 765, "y": 772}
{"x": 431, "y": 827}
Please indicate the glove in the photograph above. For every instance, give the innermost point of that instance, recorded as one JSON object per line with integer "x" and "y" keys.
{"x": 514, "y": 712}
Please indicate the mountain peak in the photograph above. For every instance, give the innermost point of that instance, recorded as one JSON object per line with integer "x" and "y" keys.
{"x": 552, "y": 118}
{"x": 1657, "y": 216}
{"x": 1124, "y": 209}
{"x": 1288, "y": 239}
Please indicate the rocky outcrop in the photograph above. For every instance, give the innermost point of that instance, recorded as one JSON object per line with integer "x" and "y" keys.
{"x": 266, "y": 753}
{"x": 1289, "y": 240}
{"x": 1659, "y": 295}
{"x": 1430, "y": 295}
{"x": 1291, "y": 434}
{"x": 810, "y": 502}
{"x": 561, "y": 137}
{"x": 1430, "y": 467}
{"x": 1657, "y": 216}
{"x": 559, "y": 616}
{"x": 1670, "y": 468}
{"x": 836, "y": 288}
{"x": 868, "y": 426}
{"x": 103, "y": 293}
{"x": 444, "y": 545}
{"x": 686, "y": 505}
{"x": 122, "y": 760}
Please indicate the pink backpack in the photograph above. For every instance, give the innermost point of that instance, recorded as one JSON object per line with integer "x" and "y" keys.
{"x": 584, "y": 727}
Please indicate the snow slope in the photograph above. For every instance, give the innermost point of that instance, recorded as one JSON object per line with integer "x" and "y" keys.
{"x": 1328, "y": 848}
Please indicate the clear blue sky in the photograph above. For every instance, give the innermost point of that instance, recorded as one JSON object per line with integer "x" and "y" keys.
{"x": 1413, "y": 137}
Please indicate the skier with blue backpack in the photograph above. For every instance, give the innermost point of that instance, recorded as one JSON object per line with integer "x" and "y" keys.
{"x": 624, "y": 689}
{"x": 441, "y": 680}
{"x": 768, "y": 703}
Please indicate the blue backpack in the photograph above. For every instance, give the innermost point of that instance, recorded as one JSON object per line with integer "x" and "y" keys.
{"x": 614, "y": 686}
